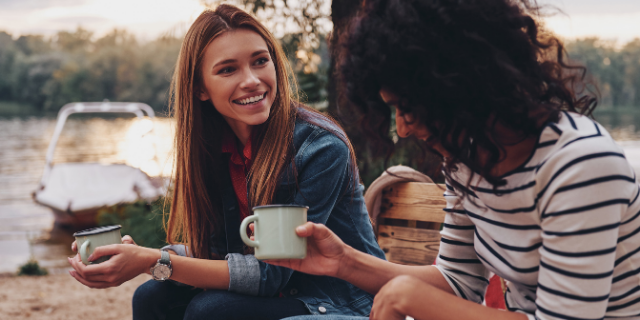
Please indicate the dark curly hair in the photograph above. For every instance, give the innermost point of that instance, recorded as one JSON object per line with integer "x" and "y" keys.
{"x": 460, "y": 67}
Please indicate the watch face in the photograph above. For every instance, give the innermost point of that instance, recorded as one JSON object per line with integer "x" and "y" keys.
{"x": 161, "y": 272}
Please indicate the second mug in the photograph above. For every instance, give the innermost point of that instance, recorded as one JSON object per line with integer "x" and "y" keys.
{"x": 275, "y": 231}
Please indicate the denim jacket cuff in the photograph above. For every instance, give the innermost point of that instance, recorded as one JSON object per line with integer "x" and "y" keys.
{"x": 179, "y": 249}
{"x": 244, "y": 274}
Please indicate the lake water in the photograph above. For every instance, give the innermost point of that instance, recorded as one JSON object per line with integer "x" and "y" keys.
{"x": 27, "y": 229}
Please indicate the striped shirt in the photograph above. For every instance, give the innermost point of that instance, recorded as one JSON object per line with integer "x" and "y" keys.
{"x": 564, "y": 231}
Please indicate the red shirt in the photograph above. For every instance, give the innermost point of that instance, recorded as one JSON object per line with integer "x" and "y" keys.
{"x": 239, "y": 165}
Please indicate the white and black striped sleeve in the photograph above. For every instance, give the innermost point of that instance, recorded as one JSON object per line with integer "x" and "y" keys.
{"x": 457, "y": 259}
{"x": 583, "y": 191}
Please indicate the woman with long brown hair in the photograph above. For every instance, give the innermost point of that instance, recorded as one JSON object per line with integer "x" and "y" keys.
{"x": 242, "y": 140}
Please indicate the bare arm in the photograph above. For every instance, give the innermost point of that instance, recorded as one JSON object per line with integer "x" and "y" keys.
{"x": 371, "y": 273}
{"x": 328, "y": 255}
{"x": 200, "y": 273}
{"x": 419, "y": 291}
{"x": 406, "y": 295}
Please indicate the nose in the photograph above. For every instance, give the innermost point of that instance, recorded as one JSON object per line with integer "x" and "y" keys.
{"x": 402, "y": 128}
{"x": 250, "y": 80}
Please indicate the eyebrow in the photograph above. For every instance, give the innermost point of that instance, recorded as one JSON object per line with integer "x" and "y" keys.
{"x": 259, "y": 52}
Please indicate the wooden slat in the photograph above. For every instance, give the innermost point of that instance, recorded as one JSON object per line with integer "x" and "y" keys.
{"x": 409, "y": 246}
{"x": 416, "y": 190}
{"x": 413, "y": 201}
{"x": 418, "y": 213}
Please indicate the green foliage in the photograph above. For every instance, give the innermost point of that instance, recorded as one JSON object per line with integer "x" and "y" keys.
{"x": 72, "y": 66}
{"x": 308, "y": 18}
{"x": 310, "y": 66}
{"x": 142, "y": 221}
{"x": 615, "y": 71}
{"x": 32, "y": 268}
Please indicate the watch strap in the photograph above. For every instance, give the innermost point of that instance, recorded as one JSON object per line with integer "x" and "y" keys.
{"x": 164, "y": 257}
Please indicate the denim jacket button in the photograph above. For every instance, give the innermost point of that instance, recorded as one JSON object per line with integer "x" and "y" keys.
{"x": 322, "y": 309}
{"x": 293, "y": 292}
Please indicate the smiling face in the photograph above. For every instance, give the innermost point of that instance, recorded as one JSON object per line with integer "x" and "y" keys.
{"x": 239, "y": 79}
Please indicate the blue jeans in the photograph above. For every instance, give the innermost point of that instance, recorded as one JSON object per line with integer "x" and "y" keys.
{"x": 165, "y": 300}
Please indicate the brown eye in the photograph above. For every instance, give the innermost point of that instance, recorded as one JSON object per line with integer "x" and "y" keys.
{"x": 226, "y": 70}
{"x": 261, "y": 61}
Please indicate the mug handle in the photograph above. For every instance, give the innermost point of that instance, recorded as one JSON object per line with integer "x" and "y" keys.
{"x": 243, "y": 231}
{"x": 83, "y": 252}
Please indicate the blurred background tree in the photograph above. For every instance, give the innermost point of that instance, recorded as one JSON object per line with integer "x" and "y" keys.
{"x": 44, "y": 74}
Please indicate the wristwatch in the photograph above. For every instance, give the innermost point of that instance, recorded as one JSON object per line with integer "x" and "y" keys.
{"x": 162, "y": 270}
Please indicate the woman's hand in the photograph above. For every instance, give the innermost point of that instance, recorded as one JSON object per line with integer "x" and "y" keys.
{"x": 325, "y": 251}
{"x": 125, "y": 240}
{"x": 127, "y": 261}
{"x": 397, "y": 298}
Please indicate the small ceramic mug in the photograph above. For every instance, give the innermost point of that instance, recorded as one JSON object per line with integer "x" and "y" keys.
{"x": 275, "y": 231}
{"x": 88, "y": 240}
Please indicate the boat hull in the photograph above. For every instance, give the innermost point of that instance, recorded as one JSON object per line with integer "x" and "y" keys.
{"x": 76, "y": 220}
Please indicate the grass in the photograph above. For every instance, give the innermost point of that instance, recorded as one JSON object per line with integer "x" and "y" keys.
{"x": 32, "y": 268}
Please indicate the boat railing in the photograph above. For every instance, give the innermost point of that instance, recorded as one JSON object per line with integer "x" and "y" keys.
{"x": 139, "y": 109}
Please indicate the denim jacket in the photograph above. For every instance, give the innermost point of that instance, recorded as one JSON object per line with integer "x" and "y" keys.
{"x": 325, "y": 185}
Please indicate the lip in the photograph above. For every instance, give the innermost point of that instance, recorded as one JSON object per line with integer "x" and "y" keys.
{"x": 249, "y": 95}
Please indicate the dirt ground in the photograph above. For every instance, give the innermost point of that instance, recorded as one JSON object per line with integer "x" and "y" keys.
{"x": 59, "y": 296}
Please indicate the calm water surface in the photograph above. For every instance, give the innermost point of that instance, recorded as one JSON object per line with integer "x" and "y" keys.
{"x": 27, "y": 229}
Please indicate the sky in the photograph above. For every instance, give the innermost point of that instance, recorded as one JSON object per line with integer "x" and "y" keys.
{"x": 608, "y": 19}
{"x": 147, "y": 19}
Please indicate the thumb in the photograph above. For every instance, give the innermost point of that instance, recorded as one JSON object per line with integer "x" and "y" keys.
{"x": 108, "y": 250}
{"x": 317, "y": 231}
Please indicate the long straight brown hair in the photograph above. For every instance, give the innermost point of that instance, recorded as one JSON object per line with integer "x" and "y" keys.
{"x": 196, "y": 205}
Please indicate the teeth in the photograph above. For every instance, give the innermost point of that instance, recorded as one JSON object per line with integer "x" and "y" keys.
{"x": 251, "y": 100}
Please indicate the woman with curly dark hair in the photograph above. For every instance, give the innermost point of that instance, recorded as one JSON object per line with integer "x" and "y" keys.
{"x": 537, "y": 192}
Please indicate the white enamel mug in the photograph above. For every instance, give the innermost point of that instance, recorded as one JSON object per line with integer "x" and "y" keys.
{"x": 275, "y": 231}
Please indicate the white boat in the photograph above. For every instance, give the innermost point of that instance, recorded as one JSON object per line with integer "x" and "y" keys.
{"x": 76, "y": 191}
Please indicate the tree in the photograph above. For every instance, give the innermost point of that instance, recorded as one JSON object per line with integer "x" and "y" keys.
{"x": 33, "y": 44}
{"x": 8, "y": 56}
{"x": 631, "y": 56}
{"x": 74, "y": 42}
{"x": 605, "y": 67}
